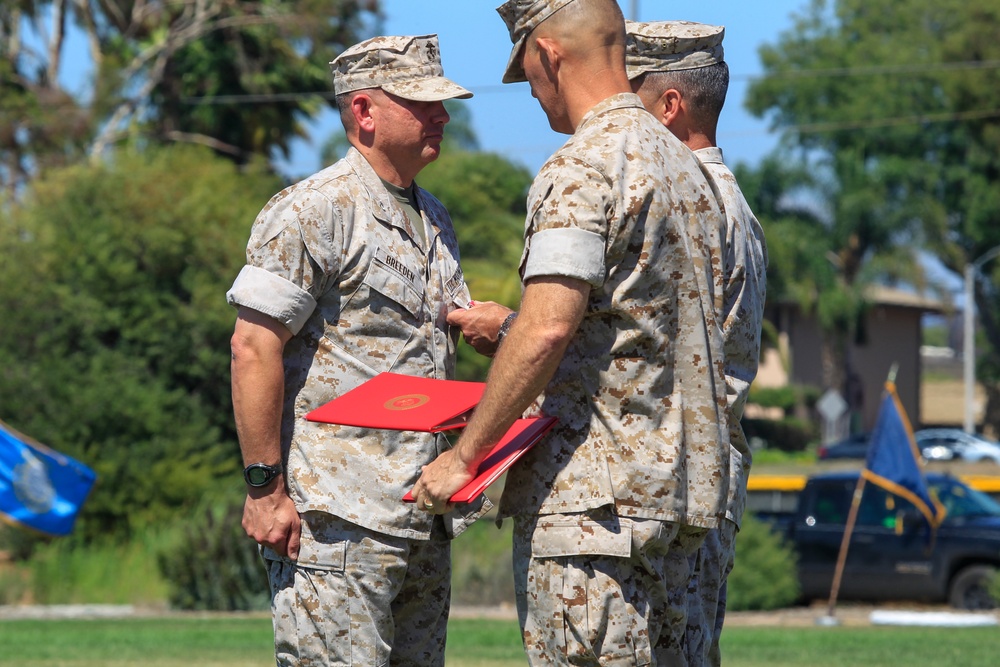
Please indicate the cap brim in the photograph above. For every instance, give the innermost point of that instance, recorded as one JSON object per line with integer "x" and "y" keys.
{"x": 432, "y": 89}
{"x": 515, "y": 71}
{"x": 633, "y": 71}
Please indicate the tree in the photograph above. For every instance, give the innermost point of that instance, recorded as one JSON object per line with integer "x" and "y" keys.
{"x": 115, "y": 350}
{"x": 896, "y": 107}
{"x": 151, "y": 62}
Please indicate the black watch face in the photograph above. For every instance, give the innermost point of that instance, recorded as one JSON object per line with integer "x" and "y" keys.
{"x": 259, "y": 475}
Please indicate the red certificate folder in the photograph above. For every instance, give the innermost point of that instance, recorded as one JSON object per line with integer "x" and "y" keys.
{"x": 403, "y": 403}
{"x": 520, "y": 437}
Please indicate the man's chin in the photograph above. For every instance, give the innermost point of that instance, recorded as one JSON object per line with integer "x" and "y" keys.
{"x": 432, "y": 152}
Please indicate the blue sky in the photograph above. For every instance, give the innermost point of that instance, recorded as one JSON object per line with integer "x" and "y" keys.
{"x": 507, "y": 120}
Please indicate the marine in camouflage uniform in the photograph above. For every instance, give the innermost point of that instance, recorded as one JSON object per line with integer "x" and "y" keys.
{"x": 688, "y": 58}
{"x": 349, "y": 273}
{"x": 618, "y": 330}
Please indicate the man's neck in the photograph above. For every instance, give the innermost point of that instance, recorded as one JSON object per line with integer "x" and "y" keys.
{"x": 696, "y": 141}
{"x": 386, "y": 169}
{"x": 580, "y": 99}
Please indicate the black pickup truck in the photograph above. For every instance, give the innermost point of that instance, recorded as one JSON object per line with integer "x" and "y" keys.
{"x": 892, "y": 555}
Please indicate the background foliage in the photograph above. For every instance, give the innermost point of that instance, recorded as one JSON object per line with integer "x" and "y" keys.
{"x": 118, "y": 353}
{"x": 120, "y": 238}
{"x": 155, "y": 66}
{"x": 893, "y": 111}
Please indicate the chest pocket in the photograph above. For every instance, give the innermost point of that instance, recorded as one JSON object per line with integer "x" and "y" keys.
{"x": 395, "y": 281}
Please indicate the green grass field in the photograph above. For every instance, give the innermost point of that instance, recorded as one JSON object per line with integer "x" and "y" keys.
{"x": 227, "y": 641}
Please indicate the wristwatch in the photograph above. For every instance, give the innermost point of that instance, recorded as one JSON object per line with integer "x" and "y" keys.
{"x": 505, "y": 327}
{"x": 261, "y": 474}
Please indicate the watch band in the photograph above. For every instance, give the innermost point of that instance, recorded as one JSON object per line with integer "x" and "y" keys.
{"x": 505, "y": 327}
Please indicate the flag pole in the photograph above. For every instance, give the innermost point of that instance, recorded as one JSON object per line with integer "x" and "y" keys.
{"x": 852, "y": 517}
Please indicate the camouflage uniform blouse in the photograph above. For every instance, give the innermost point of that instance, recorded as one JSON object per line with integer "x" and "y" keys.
{"x": 640, "y": 392}
{"x": 745, "y": 281}
{"x": 337, "y": 261}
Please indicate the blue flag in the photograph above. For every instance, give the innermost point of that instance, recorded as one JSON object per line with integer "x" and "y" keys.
{"x": 40, "y": 488}
{"x": 893, "y": 461}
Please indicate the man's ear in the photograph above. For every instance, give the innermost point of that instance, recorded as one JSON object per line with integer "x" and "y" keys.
{"x": 361, "y": 110}
{"x": 550, "y": 53}
{"x": 670, "y": 106}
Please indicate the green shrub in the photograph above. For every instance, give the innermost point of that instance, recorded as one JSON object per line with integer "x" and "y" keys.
{"x": 785, "y": 397}
{"x": 211, "y": 564}
{"x": 790, "y": 434}
{"x": 764, "y": 576}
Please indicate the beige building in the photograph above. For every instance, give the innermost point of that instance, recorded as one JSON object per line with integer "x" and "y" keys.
{"x": 891, "y": 335}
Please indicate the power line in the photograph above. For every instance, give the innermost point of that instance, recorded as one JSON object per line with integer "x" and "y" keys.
{"x": 815, "y": 128}
{"x": 263, "y": 98}
{"x": 884, "y": 69}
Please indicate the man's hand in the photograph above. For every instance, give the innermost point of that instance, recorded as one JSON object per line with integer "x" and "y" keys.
{"x": 480, "y": 324}
{"x": 439, "y": 481}
{"x": 270, "y": 518}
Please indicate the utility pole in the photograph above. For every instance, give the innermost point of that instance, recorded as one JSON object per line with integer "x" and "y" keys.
{"x": 635, "y": 10}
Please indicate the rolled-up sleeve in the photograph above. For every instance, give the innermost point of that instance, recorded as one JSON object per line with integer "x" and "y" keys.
{"x": 292, "y": 247}
{"x": 568, "y": 252}
{"x": 568, "y": 223}
{"x": 286, "y": 302}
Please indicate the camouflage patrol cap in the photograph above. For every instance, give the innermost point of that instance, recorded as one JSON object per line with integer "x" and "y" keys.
{"x": 521, "y": 17}
{"x": 409, "y": 67}
{"x": 668, "y": 46}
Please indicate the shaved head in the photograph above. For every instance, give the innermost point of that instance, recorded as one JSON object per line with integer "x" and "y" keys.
{"x": 574, "y": 59}
{"x": 585, "y": 25}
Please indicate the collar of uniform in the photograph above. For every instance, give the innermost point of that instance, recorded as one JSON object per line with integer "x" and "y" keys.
{"x": 384, "y": 206}
{"x": 710, "y": 155}
{"x": 618, "y": 101}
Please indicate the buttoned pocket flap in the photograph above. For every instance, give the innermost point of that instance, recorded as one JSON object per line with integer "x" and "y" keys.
{"x": 592, "y": 538}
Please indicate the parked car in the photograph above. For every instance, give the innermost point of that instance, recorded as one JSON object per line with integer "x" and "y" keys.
{"x": 852, "y": 447}
{"x": 892, "y": 553}
{"x": 952, "y": 444}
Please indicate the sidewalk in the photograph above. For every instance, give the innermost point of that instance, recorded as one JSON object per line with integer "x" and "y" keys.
{"x": 847, "y": 614}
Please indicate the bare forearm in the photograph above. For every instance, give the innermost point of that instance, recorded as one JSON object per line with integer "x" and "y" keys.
{"x": 258, "y": 396}
{"x": 258, "y": 389}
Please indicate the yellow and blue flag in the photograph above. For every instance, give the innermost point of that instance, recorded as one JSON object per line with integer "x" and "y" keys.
{"x": 40, "y": 488}
{"x": 893, "y": 461}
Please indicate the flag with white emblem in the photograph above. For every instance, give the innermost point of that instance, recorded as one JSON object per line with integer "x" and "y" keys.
{"x": 39, "y": 487}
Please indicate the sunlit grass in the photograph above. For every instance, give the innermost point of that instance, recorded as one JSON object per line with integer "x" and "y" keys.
{"x": 228, "y": 640}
